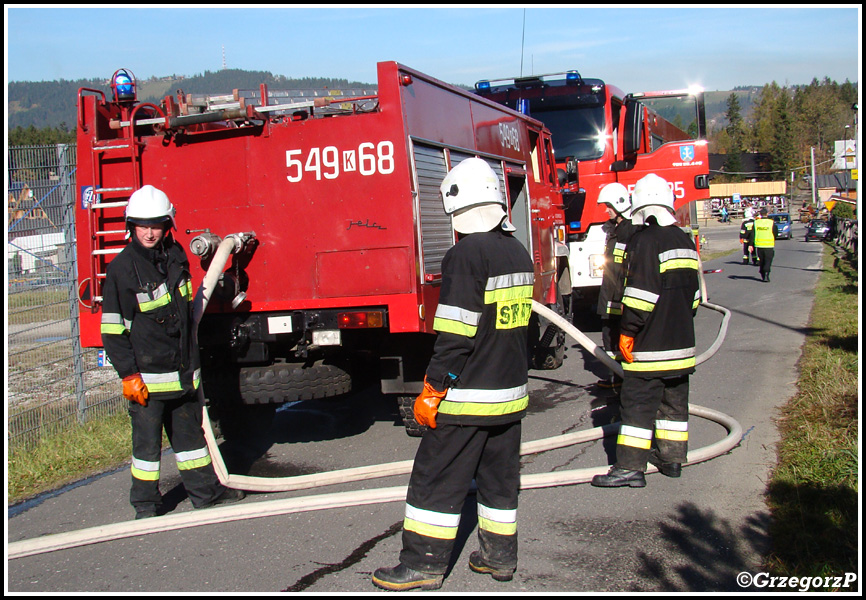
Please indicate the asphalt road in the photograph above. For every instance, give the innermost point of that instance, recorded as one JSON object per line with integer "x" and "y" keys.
{"x": 695, "y": 533}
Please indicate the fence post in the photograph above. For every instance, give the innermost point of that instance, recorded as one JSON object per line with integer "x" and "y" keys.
{"x": 67, "y": 191}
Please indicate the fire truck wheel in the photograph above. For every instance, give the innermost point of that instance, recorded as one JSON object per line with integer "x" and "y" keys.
{"x": 406, "y": 405}
{"x": 548, "y": 350}
{"x": 288, "y": 382}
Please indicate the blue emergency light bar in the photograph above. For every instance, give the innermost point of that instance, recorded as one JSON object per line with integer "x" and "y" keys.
{"x": 571, "y": 77}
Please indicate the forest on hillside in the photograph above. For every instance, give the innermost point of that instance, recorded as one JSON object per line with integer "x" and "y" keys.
{"x": 784, "y": 122}
{"x": 50, "y": 105}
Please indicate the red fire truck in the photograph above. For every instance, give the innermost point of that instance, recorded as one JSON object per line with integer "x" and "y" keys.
{"x": 604, "y": 136}
{"x": 335, "y": 205}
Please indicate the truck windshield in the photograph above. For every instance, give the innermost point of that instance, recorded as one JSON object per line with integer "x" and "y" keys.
{"x": 577, "y": 132}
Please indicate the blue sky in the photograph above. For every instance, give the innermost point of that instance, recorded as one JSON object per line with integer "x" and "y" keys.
{"x": 637, "y": 48}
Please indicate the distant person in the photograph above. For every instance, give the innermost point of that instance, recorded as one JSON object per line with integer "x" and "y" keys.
{"x": 724, "y": 214}
{"x": 657, "y": 340}
{"x": 619, "y": 230}
{"x": 765, "y": 243}
{"x": 147, "y": 334}
{"x": 747, "y": 237}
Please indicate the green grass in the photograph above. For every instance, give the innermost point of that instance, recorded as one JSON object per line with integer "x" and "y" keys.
{"x": 73, "y": 454}
{"x": 813, "y": 491}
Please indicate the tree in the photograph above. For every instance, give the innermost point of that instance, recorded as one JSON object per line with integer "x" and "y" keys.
{"x": 734, "y": 165}
{"x": 782, "y": 149}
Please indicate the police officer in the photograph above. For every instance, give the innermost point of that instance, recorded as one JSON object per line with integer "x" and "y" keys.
{"x": 657, "y": 340}
{"x": 765, "y": 243}
{"x": 475, "y": 391}
{"x": 147, "y": 334}
{"x": 619, "y": 230}
{"x": 747, "y": 237}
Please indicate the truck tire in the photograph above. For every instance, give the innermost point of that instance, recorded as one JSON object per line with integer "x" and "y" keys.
{"x": 547, "y": 350}
{"x": 406, "y": 406}
{"x": 289, "y": 382}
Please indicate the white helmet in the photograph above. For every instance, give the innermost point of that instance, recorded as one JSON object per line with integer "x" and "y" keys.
{"x": 616, "y": 196}
{"x": 149, "y": 206}
{"x": 653, "y": 197}
{"x": 749, "y": 213}
{"x": 471, "y": 195}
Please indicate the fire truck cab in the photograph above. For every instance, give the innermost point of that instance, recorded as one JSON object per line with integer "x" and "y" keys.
{"x": 335, "y": 203}
{"x": 600, "y": 136}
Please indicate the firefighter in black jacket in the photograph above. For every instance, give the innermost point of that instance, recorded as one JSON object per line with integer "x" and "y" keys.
{"x": 619, "y": 230}
{"x": 747, "y": 237}
{"x": 475, "y": 391}
{"x": 657, "y": 340}
{"x": 147, "y": 334}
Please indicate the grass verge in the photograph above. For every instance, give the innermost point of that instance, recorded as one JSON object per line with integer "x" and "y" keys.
{"x": 813, "y": 491}
{"x": 73, "y": 454}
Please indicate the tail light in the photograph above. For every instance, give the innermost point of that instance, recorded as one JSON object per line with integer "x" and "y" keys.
{"x": 361, "y": 319}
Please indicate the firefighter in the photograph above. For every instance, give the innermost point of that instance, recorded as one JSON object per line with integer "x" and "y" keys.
{"x": 765, "y": 242}
{"x": 657, "y": 340}
{"x": 475, "y": 391}
{"x": 747, "y": 237}
{"x": 619, "y": 230}
{"x": 147, "y": 334}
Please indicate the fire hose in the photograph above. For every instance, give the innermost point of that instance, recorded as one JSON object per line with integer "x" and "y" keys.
{"x": 270, "y": 508}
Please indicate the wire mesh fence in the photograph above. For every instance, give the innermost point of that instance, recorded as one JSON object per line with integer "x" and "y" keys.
{"x": 52, "y": 382}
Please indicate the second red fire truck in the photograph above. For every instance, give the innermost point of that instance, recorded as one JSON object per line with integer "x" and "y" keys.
{"x": 602, "y": 135}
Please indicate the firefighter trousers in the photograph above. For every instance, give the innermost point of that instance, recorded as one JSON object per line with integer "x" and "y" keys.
{"x": 655, "y": 414}
{"x": 753, "y": 255}
{"x": 181, "y": 419}
{"x": 448, "y": 458}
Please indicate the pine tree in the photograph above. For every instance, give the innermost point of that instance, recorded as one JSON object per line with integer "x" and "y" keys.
{"x": 782, "y": 150}
{"x": 733, "y": 164}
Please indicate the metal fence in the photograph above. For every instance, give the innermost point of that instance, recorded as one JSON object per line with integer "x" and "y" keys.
{"x": 52, "y": 382}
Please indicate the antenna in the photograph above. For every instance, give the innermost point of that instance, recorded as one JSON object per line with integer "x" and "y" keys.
{"x": 224, "y": 58}
{"x": 522, "y": 39}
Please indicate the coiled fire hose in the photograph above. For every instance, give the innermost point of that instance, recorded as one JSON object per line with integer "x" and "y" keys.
{"x": 270, "y": 508}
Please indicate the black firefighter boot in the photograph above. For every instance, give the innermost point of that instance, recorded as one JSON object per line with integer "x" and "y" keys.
{"x": 477, "y": 564}
{"x": 665, "y": 468}
{"x": 618, "y": 477}
{"x": 402, "y": 578}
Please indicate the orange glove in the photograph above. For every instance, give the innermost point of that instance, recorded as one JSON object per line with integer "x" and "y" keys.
{"x": 135, "y": 390}
{"x": 626, "y": 346}
{"x": 427, "y": 405}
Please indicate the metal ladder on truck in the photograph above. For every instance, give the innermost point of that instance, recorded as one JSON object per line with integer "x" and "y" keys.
{"x": 115, "y": 173}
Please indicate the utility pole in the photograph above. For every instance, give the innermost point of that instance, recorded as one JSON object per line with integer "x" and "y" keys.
{"x": 814, "y": 196}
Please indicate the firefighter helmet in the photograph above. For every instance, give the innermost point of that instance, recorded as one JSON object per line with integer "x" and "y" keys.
{"x": 749, "y": 213}
{"x": 653, "y": 197}
{"x": 471, "y": 195}
{"x": 616, "y": 196}
{"x": 149, "y": 206}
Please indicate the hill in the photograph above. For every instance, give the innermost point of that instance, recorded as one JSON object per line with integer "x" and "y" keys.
{"x": 52, "y": 103}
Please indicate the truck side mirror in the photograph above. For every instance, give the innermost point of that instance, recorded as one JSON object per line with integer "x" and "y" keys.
{"x": 633, "y": 127}
{"x": 571, "y": 169}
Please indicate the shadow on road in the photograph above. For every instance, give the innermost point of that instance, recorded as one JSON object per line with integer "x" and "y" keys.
{"x": 715, "y": 552}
